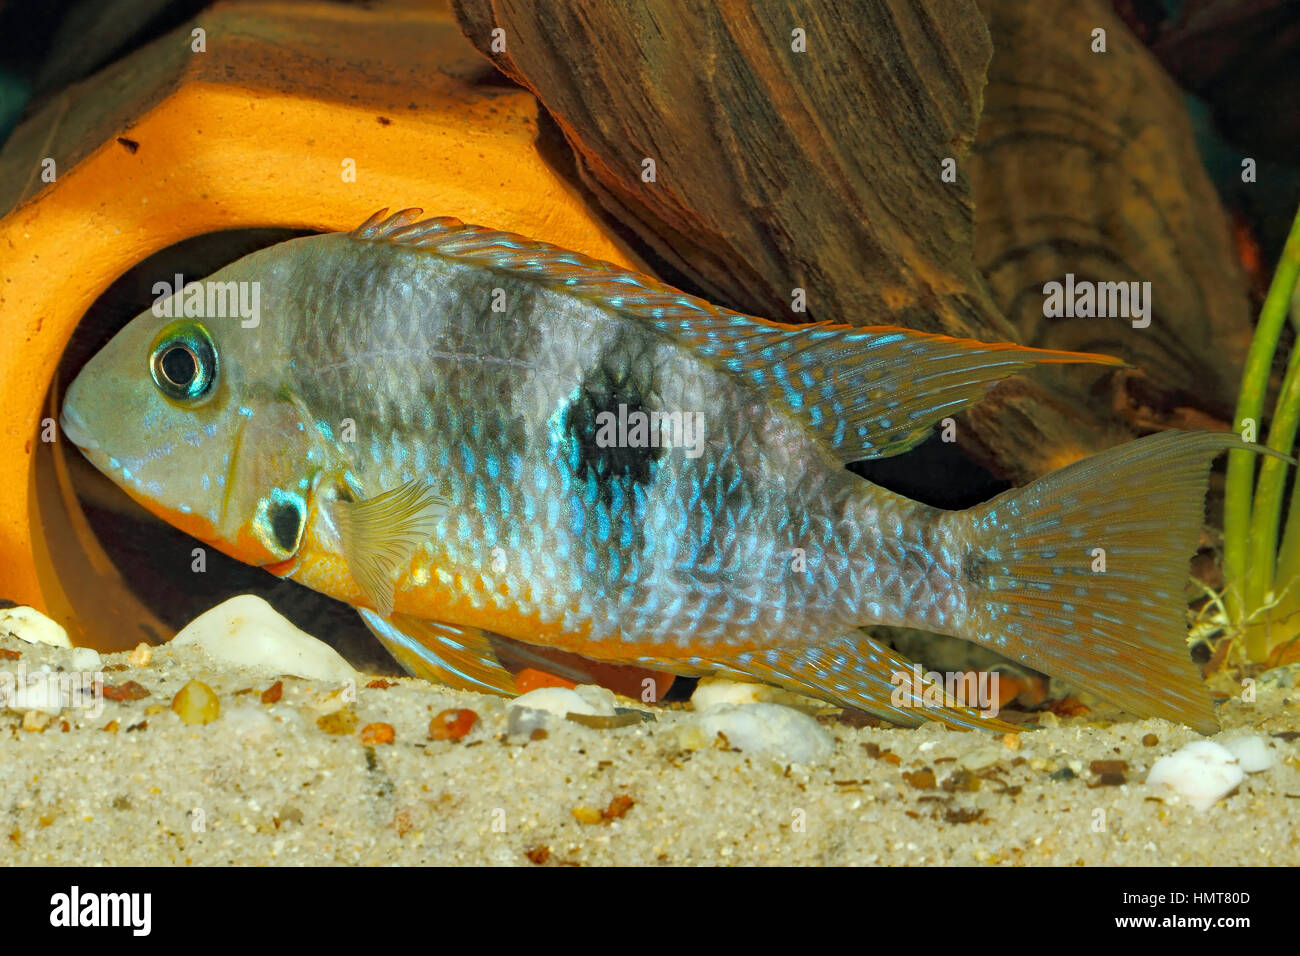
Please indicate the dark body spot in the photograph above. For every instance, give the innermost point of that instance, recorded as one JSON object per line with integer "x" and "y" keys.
{"x": 622, "y": 376}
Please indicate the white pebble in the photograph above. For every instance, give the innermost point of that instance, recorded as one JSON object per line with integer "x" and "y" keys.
{"x": 980, "y": 757}
{"x": 602, "y": 699}
{"x": 248, "y": 632}
{"x": 1252, "y": 752}
{"x": 717, "y": 691}
{"x": 30, "y": 625}
{"x": 561, "y": 701}
{"x": 1201, "y": 772}
{"x": 41, "y": 691}
{"x": 714, "y": 691}
{"x": 85, "y": 659}
{"x": 769, "y": 729}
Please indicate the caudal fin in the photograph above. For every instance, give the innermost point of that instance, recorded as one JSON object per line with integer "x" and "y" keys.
{"x": 1081, "y": 573}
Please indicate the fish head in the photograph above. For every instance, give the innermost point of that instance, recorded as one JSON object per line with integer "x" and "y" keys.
{"x": 195, "y": 417}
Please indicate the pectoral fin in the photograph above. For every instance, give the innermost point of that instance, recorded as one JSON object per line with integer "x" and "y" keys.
{"x": 380, "y": 536}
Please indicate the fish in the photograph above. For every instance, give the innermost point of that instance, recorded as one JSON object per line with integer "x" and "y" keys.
{"x": 494, "y": 448}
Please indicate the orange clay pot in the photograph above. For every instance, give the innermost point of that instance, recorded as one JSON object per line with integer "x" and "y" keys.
{"x": 254, "y": 131}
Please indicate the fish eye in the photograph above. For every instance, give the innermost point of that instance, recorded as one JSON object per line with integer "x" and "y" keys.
{"x": 183, "y": 362}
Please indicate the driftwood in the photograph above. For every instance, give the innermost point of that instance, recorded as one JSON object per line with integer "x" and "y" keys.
{"x": 775, "y": 170}
{"x": 821, "y": 170}
{"x": 1085, "y": 164}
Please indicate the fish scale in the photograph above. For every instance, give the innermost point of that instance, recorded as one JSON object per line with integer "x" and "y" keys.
{"x": 479, "y": 512}
{"x": 450, "y": 367}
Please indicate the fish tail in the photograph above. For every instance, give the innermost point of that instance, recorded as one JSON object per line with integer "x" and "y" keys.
{"x": 1080, "y": 574}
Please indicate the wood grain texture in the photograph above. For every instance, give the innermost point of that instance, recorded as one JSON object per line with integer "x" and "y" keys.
{"x": 1085, "y": 163}
{"x": 775, "y": 169}
{"x": 821, "y": 170}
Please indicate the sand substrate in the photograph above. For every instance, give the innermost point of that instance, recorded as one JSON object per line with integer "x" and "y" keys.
{"x": 274, "y": 783}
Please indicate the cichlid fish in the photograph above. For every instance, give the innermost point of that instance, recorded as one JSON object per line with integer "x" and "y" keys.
{"x": 487, "y": 444}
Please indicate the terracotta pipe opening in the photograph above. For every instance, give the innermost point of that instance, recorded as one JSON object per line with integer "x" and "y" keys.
{"x": 117, "y": 575}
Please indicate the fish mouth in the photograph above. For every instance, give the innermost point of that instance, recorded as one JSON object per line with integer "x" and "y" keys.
{"x": 75, "y": 428}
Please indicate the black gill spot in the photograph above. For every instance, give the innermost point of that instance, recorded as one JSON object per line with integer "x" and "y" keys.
{"x": 286, "y": 525}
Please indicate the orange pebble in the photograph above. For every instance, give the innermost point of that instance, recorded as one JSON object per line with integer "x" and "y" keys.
{"x": 530, "y": 679}
{"x": 377, "y": 734}
{"x": 452, "y": 724}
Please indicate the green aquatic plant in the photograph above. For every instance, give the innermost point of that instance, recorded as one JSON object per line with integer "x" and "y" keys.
{"x": 1263, "y": 582}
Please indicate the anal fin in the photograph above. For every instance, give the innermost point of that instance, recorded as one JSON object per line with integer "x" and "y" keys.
{"x": 628, "y": 679}
{"x": 461, "y": 657}
{"x": 855, "y": 670}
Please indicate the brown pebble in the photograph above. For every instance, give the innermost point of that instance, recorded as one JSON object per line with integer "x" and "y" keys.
{"x": 339, "y": 723}
{"x": 603, "y": 722}
{"x": 1108, "y": 766}
{"x": 1150, "y": 740}
{"x": 131, "y": 690}
{"x": 273, "y": 693}
{"x": 538, "y": 854}
{"x": 920, "y": 779}
{"x": 618, "y": 806}
{"x": 962, "y": 780}
{"x": 849, "y": 717}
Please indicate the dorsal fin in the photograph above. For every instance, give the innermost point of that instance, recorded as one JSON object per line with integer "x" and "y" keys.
{"x": 868, "y": 392}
